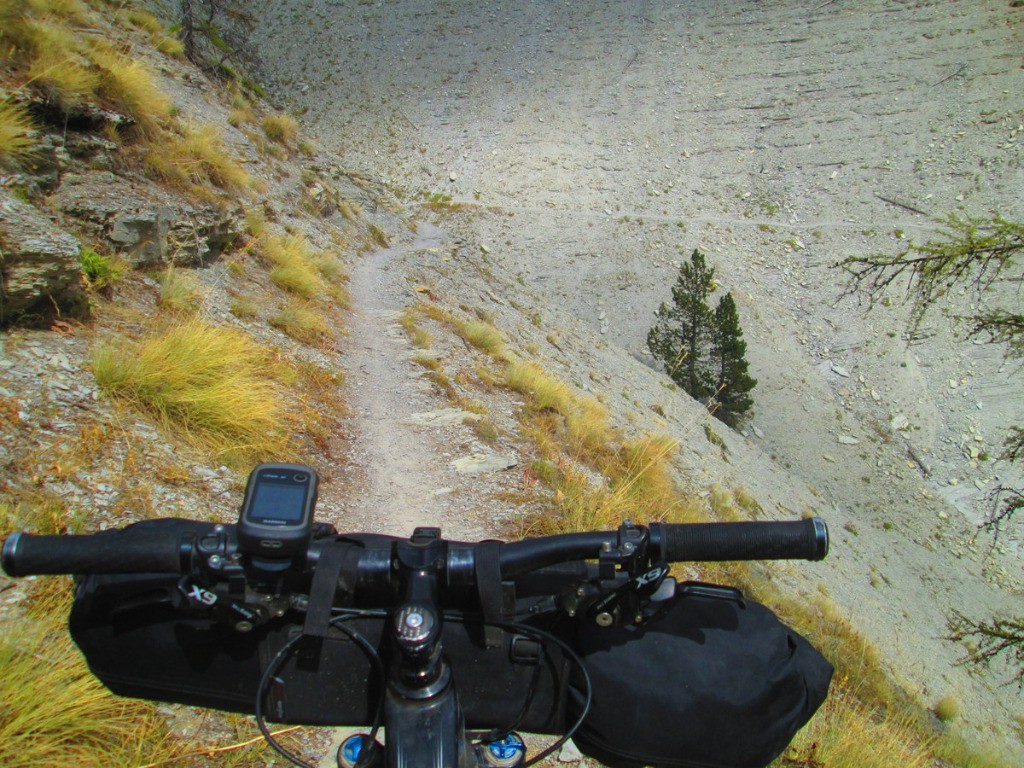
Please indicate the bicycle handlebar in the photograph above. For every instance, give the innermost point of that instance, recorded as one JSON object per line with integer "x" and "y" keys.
{"x": 147, "y": 551}
{"x": 113, "y": 551}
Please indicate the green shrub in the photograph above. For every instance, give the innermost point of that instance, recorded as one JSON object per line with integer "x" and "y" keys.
{"x": 101, "y": 271}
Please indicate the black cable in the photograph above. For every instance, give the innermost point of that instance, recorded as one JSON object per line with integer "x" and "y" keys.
{"x": 282, "y": 655}
{"x": 544, "y": 636}
{"x": 261, "y": 691}
{"x": 375, "y": 661}
{"x": 499, "y": 734}
{"x": 371, "y": 652}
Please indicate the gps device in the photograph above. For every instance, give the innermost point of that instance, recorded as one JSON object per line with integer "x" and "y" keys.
{"x": 276, "y": 520}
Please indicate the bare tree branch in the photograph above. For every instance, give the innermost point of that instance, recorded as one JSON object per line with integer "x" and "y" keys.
{"x": 968, "y": 251}
{"x": 988, "y": 640}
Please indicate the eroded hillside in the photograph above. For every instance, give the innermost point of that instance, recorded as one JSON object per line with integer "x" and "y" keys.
{"x": 497, "y": 190}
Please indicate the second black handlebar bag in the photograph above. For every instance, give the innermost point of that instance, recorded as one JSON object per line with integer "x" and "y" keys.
{"x": 713, "y": 681}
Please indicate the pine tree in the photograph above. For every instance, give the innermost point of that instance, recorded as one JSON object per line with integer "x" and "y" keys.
{"x": 681, "y": 336}
{"x": 728, "y": 354}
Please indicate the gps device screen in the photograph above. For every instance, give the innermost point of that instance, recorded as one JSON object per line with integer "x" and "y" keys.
{"x": 278, "y": 502}
{"x": 277, "y": 515}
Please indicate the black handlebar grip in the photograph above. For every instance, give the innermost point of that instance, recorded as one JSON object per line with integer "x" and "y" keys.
{"x": 793, "y": 540}
{"x": 114, "y": 551}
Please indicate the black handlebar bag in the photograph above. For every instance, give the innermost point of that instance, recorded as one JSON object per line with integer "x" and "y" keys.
{"x": 713, "y": 681}
{"x": 140, "y": 645}
{"x": 139, "y": 642}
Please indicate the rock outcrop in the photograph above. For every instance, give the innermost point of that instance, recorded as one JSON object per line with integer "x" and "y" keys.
{"x": 40, "y": 271}
{"x": 148, "y": 225}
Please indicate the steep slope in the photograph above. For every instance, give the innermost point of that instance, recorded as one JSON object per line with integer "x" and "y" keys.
{"x": 597, "y": 144}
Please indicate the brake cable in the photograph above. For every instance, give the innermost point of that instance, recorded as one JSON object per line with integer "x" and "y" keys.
{"x": 348, "y": 613}
{"x": 544, "y": 636}
{"x": 286, "y": 651}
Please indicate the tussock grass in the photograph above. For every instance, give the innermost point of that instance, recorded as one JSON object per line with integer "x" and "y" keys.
{"x": 638, "y": 487}
{"x": 280, "y": 128}
{"x": 197, "y": 157}
{"x": 379, "y": 236}
{"x": 428, "y": 360}
{"x": 29, "y": 31}
{"x": 486, "y": 430}
{"x": 162, "y": 41}
{"x": 293, "y": 267}
{"x": 214, "y": 386}
{"x": 239, "y": 117}
{"x": 65, "y": 80}
{"x": 846, "y": 733}
{"x": 304, "y": 272}
{"x": 298, "y": 277}
{"x": 244, "y": 308}
{"x": 55, "y": 711}
{"x": 39, "y": 512}
{"x": 47, "y": 43}
{"x": 572, "y": 432}
{"x": 951, "y": 746}
{"x": 303, "y": 322}
{"x": 17, "y": 140}
{"x": 179, "y": 291}
{"x": 418, "y": 335}
{"x": 483, "y": 336}
{"x": 329, "y": 265}
{"x": 131, "y": 87}
{"x": 145, "y": 20}
{"x": 241, "y": 111}
{"x": 948, "y": 708}
{"x": 170, "y": 46}
{"x": 587, "y": 427}
{"x": 581, "y": 506}
{"x": 544, "y": 392}
{"x": 640, "y": 473}
{"x": 585, "y": 420}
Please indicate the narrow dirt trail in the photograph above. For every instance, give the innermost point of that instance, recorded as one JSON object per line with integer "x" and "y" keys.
{"x": 398, "y": 471}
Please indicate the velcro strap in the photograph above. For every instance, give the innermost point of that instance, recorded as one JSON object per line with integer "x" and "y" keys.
{"x": 335, "y": 567}
{"x": 488, "y": 585}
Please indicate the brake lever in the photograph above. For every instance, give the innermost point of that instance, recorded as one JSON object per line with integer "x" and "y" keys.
{"x": 628, "y": 601}
{"x": 240, "y": 615}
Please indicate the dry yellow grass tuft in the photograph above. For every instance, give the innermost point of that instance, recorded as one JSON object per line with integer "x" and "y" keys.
{"x": 298, "y": 269}
{"x": 179, "y": 291}
{"x": 214, "y": 386}
{"x": 846, "y": 733}
{"x": 66, "y": 81}
{"x": 483, "y": 336}
{"x": 195, "y": 158}
{"x": 145, "y": 20}
{"x": 131, "y": 87}
{"x": 37, "y": 512}
{"x": 544, "y": 391}
{"x": 303, "y": 322}
{"x": 54, "y": 709}
{"x": 280, "y": 128}
{"x": 16, "y": 132}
